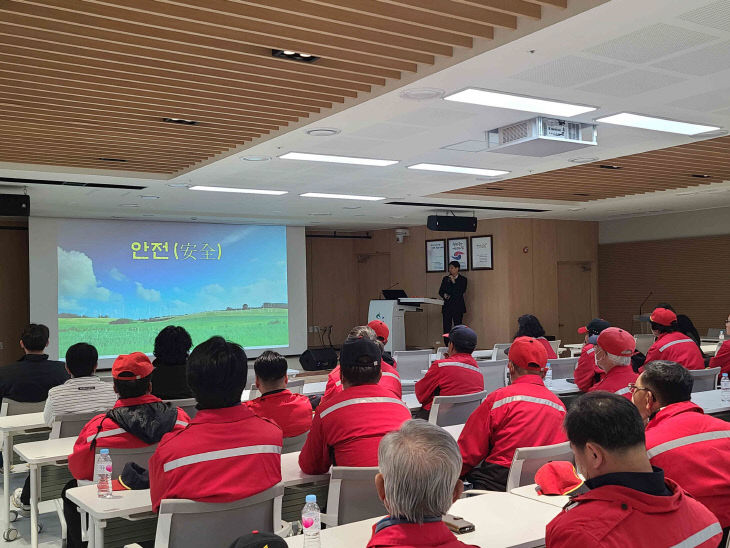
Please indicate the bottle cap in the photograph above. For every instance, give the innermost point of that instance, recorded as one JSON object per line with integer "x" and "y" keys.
{"x": 104, "y": 451}
{"x": 311, "y": 498}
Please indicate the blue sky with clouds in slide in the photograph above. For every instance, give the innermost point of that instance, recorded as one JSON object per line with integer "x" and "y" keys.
{"x": 97, "y": 274}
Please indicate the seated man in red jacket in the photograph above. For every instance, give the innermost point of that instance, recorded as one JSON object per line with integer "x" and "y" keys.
{"x": 137, "y": 419}
{"x": 629, "y": 502}
{"x": 523, "y": 414}
{"x": 692, "y": 448}
{"x": 227, "y": 453}
{"x": 587, "y": 373}
{"x": 418, "y": 482}
{"x": 671, "y": 344}
{"x": 614, "y": 348}
{"x": 347, "y": 428}
{"x": 453, "y": 376}
{"x": 722, "y": 357}
{"x": 291, "y": 412}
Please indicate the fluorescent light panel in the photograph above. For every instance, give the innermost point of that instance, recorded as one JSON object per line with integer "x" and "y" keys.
{"x": 459, "y": 169}
{"x": 337, "y": 159}
{"x": 517, "y": 102}
{"x": 342, "y": 196}
{"x": 239, "y": 190}
{"x": 655, "y": 124}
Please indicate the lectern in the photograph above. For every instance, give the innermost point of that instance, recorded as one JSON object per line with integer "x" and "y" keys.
{"x": 392, "y": 313}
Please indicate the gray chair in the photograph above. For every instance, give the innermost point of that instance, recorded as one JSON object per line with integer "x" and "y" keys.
{"x": 294, "y": 443}
{"x": 493, "y": 373}
{"x": 563, "y": 368}
{"x": 528, "y": 460}
{"x": 10, "y": 408}
{"x": 352, "y": 496}
{"x": 185, "y": 523}
{"x": 296, "y": 387}
{"x": 411, "y": 363}
{"x": 482, "y": 354}
{"x": 120, "y": 457}
{"x": 187, "y": 405}
{"x": 70, "y": 425}
{"x": 451, "y": 410}
{"x": 500, "y": 351}
{"x": 644, "y": 342}
{"x": 705, "y": 379}
{"x": 713, "y": 333}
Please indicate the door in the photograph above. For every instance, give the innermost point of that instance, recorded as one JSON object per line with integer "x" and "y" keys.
{"x": 574, "y": 299}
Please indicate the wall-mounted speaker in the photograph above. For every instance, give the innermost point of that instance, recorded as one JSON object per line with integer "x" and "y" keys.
{"x": 451, "y": 223}
{"x": 14, "y": 205}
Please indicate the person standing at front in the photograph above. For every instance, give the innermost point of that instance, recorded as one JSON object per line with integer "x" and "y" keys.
{"x": 452, "y": 292}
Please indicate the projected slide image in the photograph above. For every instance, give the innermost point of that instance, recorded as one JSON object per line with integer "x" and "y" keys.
{"x": 120, "y": 283}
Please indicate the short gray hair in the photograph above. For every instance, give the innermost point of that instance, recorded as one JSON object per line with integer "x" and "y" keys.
{"x": 420, "y": 464}
{"x": 617, "y": 360}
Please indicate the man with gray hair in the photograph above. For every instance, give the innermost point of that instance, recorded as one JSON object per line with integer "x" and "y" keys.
{"x": 418, "y": 482}
{"x": 614, "y": 349}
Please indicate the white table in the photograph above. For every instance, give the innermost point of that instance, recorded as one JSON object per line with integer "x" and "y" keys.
{"x": 36, "y": 454}
{"x": 711, "y": 402}
{"x": 528, "y": 491}
{"x": 309, "y": 389}
{"x": 411, "y": 401}
{"x": 493, "y": 514}
{"x": 454, "y": 430}
{"x": 561, "y": 387}
{"x": 709, "y": 349}
{"x": 575, "y": 349}
{"x": 9, "y": 426}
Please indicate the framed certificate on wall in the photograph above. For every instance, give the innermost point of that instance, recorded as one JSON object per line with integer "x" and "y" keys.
{"x": 435, "y": 255}
{"x": 458, "y": 252}
{"x": 482, "y": 257}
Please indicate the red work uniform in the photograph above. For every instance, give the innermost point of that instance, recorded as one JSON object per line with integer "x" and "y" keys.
{"x": 523, "y": 414}
{"x": 291, "y": 412}
{"x": 389, "y": 379}
{"x": 693, "y": 449}
{"x": 722, "y": 358}
{"x": 81, "y": 461}
{"x": 548, "y": 348}
{"x": 676, "y": 347}
{"x": 391, "y": 533}
{"x": 347, "y": 429}
{"x": 223, "y": 455}
{"x": 617, "y": 381}
{"x": 617, "y": 516}
{"x": 453, "y": 376}
{"x": 586, "y": 370}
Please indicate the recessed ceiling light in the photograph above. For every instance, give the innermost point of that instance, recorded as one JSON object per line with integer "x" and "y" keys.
{"x": 582, "y": 160}
{"x": 149, "y": 197}
{"x": 293, "y": 55}
{"x": 421, "y": 94}
{"x": 609, "y": 166}
{"x": 701, "y": 175}
{"x": 128, "y": 205}
{"x": 655, "y": 124}
{"x": 337, "y": 159}
{"x": 341, "y": 196}
{"x": 517, "y": 102}
{"x": 459, "y": 169}
{"x": 322, "y": 132}
{"x": 181, "y": 121}
{"x": 178, "y": 185}
{"x": 255, "y": 158}
{"x": 239, "y": 190}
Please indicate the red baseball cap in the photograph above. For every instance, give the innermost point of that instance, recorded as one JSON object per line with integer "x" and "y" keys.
{"x": 557, "y": 478}
{"x": 528, "y": 353}
{"x": 663, "y": 316}
{"x": 136, "y": 363}
{"x": 381, "y": 329}
{"x": 616, "y": 341}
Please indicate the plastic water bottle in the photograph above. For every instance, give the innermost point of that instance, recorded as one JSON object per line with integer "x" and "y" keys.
{"x": 725, "y": 389}
{"x": 721, "y": 337}
{"x": 311, "y": 522}
{"x": 549, "y": 376}
{"x": 104, "y": 474}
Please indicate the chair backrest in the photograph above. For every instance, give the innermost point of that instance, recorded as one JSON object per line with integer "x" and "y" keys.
{"x": 500, "y": 351}
{"x": 493, "y": 373}
{"x": 482, "y": 354}
{"x": 293, "y": 444}
{"x": 411, "y": 363}
{"x": 556, "y": 346}
{"x": 643, "y": 342}
{"x": 442, "y": 350}
{"x": 70, "y": 425}
{"x": 120, "y": 457}
{"x": 705, "y": 379}
{"x": 187, "y": 405}
{"x": 563, "y": 368}
{"x": 352, "y": 496}
{"x": 713, "y": 333}
{"x": 188, "y": 524}
{"x": 12, "y": 407}
{"x": 450, "y": 410}
{"x": 296, "y": 386}
{"x": 528, "y": 460}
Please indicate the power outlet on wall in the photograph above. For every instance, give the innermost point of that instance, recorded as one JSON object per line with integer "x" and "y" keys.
{"x": 314, "y": 329}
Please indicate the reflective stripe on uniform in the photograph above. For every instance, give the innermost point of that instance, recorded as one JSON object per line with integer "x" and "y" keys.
{"x": 356, "y": 401}
{"x": 591, "y": 350}
{"x": 106, "y": 434}
{"x": 663, "y": 348}
{"x": 530, "y": 399}
{"x": 700, "y": 537}
{"x": 687, "y": 440}
{"x": 460, "y": 364}
{"x": 222, "y": 454}
{"x": 387, "y": 374}
{"x": 622, "y": 391}
{"x": 181, "y": 423}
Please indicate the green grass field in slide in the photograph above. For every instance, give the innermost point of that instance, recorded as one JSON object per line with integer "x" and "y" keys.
{"x": 257, "y": 327}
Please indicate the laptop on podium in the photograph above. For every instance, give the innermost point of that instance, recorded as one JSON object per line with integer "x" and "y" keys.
{"x": 394, "y": 294}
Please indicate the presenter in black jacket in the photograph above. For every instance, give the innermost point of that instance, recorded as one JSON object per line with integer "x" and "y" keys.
{"x": 452, "y": 292}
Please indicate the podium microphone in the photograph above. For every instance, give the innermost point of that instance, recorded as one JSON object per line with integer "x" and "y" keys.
{"x": 644, "y": 301}
{"x": 392, "y": 286}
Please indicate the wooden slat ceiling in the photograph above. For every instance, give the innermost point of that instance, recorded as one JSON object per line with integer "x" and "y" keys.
{"x": 87, "y": 79}
{"x": 665, "y": 169}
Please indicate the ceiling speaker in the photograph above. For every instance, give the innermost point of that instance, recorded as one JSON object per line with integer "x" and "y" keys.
{"x": 14, "y": 205}
{"x": 450, "y": 223}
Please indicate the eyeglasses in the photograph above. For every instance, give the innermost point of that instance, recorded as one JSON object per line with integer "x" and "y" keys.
{"x": 633, "y": 388}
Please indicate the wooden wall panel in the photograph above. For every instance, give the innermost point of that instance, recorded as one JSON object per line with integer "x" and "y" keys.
{"x": 689, "y": 273}
{"x": 14, "y": 288}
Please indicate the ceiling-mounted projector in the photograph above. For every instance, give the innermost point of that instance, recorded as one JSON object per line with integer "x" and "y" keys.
{"x": 541, "y": 136}
{"x": 444, "y": 223}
